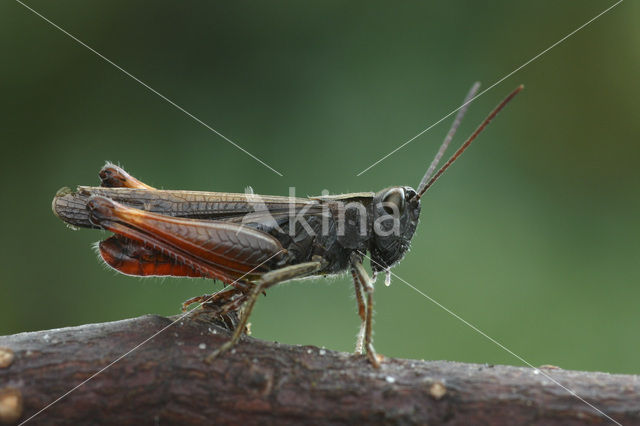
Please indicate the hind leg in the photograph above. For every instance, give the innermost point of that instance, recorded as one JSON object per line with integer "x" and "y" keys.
{"x": 113, "y": 176}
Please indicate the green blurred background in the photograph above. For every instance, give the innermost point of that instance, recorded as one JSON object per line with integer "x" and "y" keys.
{"x": 533, "y": 236}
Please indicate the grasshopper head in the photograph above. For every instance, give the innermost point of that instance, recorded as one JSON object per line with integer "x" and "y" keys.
{"x": 396, "y": 212}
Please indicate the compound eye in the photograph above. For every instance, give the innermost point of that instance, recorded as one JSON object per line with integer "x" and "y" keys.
{"x": 394, "y": 196}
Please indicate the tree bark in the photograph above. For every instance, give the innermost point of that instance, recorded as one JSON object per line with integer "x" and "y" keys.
{"x": 165, "y": 381}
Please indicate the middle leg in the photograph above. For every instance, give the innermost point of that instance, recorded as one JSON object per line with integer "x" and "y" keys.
{"x": 268, "y": 280}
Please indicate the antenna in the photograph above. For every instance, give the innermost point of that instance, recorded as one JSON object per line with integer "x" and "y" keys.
{"x": 452, "y": 132}
{"x": 465, "y": 145}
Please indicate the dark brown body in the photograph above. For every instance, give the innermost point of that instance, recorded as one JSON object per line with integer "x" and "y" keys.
{"x": 293, "y": 236}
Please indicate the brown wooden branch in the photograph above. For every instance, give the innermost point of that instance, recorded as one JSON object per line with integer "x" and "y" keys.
{"x": 165, "y": 381}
